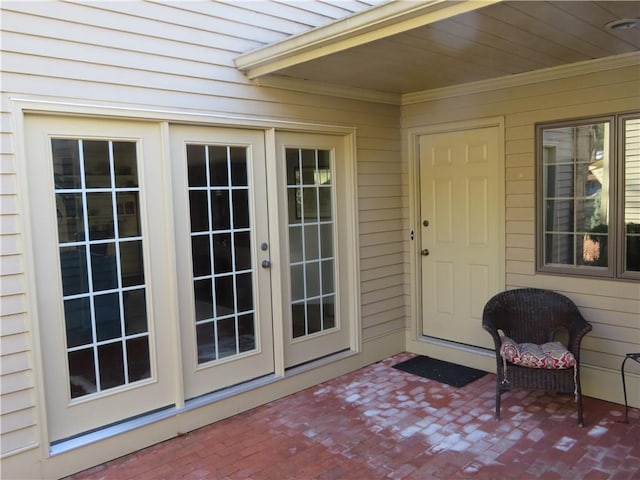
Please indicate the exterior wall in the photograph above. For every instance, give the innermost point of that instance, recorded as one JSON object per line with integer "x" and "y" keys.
{"x": 176, "y": 58}
{"x": 612, "y": 307}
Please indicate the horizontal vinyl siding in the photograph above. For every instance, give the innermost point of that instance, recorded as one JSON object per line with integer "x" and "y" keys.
{"x": 178, "y": 57}
{"x": 612, "y": 307}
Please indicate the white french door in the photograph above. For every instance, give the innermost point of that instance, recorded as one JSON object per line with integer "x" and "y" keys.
{"x": 315, "y": 321}
{"x": 153, "y": 261}
{"x": 103, "y": 275}
{"x": 223, "y": 255}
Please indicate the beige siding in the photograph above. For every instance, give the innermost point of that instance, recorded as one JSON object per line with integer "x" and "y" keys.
{"x": 177, "y": 57}
{"x": 613, "y": 307}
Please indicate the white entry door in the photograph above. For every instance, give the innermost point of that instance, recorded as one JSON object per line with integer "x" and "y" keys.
{"x": 223, "y": 256}
{"x": 104, "y": 278}
{"x": 461, "y": 231}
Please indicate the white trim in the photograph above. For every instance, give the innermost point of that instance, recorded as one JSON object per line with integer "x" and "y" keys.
{"x": 46, "y": 106}
{"x": 318, "y": 88}
{"x": 364, "y": 27}
{"x": 521, "y": 79}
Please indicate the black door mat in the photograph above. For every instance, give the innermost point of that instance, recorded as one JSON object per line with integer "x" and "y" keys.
{"x": 440, "y": 371}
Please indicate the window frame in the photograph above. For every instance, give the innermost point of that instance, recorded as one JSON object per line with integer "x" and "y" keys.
{"x": 616, "y": 248}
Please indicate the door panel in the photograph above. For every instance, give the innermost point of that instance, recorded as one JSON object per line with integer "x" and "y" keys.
{"x": 225, "y": 293}
{"x": 313, "y": 326}
{"x": 462, "y": 260}
{"x": 104, "y": 318}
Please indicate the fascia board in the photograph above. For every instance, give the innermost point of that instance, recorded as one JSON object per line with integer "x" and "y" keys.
{"x": 364, "y": 27}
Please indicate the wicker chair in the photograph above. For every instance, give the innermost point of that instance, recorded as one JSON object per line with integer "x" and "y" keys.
{"x": 535, "y": 316}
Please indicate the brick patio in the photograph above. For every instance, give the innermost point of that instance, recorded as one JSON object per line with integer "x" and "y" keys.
{"x": 379, "y": 422}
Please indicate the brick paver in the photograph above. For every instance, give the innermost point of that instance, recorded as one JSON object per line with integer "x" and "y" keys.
{"x": 379, "y": 422}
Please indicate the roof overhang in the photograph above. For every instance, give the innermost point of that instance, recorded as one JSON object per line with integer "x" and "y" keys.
{"x": 364, "y": 27}
{"x": 405, "y": 52}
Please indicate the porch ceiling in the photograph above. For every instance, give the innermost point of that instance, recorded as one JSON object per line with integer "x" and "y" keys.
{"x": 401, "y": 48}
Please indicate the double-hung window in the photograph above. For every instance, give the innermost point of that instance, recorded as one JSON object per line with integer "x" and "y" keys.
{"x": 588, "y": 196}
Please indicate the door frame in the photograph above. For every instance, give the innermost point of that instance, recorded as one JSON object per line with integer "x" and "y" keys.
{"x": 415, "y": 339}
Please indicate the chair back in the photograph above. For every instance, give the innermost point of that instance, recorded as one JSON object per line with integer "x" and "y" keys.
{"x": 532, "y": 315}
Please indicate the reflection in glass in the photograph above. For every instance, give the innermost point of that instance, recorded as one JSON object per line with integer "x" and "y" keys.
{"x": 96, "y": 164}
{"x": 135, "y": 311}
{"x": 632, "y": 194}
{"x": 224, "y": 295}
{"x": 244, "y": 290}
{"x": 246, "y": 333}
{"x": 103, "y": 267}
{"x": 73, "y": 263}
{"x": 125, "y": 164}
{"x": 206, "y": 342}
{"x": 227, "y": 337}
{"x": 314, "y": 316}
{"x": 107, "y": 309}
{"x": 111, "y": 363}
{"x": 196, "y": 166}
{"x": 77, "y": 317}
{"x": 219, "y": 170}
{"x": 66, "y": 163}
{"x": 198, "y": 210}
{"x": 576, "y": 189}
{"x": 82, "y": 373}
{"x": 70, "y": 211}
{"x": 201, "y": 255}
{"x": 220, "y": 213}
{"x": 98, "y": 261}
{"x": 242, "y": 249}
{"x": 559, "y": 249}
{"x": 311, "y": 247}
{"x": 132, "y": 263}
{"x": 128, "y": 217}
{"x": 312, "y": 279}
{"x": 138, "y": 356}
{"x": 203, "y": 296}
{"x": 311, "y": 244}
{"x": 240, "y": 209}
{"x": 100, "y": 212}
{"x": 238, "y": 157}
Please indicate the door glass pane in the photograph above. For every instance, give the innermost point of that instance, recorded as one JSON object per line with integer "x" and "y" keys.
{"x": 632, "y": 194}
{"x": 221, "y": 251}
{"x": 576, "y": 194}
{"x": 102, "y": 266}
{"x": 311, "y": 239}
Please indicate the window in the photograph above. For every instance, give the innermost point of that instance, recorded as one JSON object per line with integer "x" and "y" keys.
{"x": 589, "y": 196}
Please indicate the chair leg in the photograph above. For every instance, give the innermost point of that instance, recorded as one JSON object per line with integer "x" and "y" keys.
{"x": 579, "y": 401}
{"x": 498, "y": 393}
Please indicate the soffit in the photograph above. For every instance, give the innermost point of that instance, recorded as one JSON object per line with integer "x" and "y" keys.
{"x": 407, "y": 47}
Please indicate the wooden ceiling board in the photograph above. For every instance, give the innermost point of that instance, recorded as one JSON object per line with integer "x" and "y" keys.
{"x": 565, "y": 29}
{"x": 599, "y": 14}
{"x": 497, "y": 40}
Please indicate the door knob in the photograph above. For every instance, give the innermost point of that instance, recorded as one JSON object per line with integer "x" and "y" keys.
{"x": 266, "y": 264}
{"x": 425, "y": 252}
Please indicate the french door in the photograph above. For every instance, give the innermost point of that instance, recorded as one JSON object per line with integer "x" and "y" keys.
{"x": 223, "y": 256}
{"x": 315, "y": 317}
{"x": 106, "y": 294}
{"x": 152, "y": 261}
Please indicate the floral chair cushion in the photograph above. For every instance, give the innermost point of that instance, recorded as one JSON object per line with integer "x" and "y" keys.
{"x": 547, "y": 355}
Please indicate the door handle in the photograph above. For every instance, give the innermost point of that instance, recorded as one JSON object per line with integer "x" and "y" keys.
{"x": 266, "y": 264}
{"x": 425, "y": 252}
